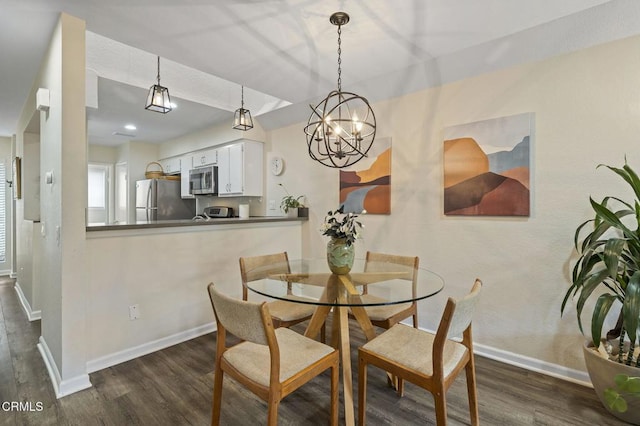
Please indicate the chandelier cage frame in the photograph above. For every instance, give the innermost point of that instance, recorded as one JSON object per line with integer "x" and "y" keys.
{"x": 158, "y": 99}
{"x": 337, "y": 136}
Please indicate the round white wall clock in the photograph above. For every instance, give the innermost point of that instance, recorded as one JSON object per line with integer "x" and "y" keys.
{"x": 277, "y": 165}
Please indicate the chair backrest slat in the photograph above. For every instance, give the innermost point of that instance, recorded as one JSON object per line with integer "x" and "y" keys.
{"x": 463, "y": 313}
{"x": 381, "y": 262}
{"x": 259, "y": 267}
{"x": 238, "y": 317}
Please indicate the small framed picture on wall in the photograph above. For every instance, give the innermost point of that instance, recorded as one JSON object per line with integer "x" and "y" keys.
{"x": 17, "y": 178}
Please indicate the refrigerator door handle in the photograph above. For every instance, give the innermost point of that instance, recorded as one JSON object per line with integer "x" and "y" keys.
{"x": 148, "y": 202}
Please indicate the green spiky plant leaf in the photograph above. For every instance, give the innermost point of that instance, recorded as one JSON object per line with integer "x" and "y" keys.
{"x": 608, "y": 265}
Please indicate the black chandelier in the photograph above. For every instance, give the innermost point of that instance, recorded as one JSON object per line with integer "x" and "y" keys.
{"x": 158, "y": 99}
{"x": 342, "y": 127}
{"x": 242, "y": 117}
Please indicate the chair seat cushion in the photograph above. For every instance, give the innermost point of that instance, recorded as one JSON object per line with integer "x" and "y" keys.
{"x": 382, "y": 312}
{"x": 412, "y": 348}
{"x": 296, "y": 353}
{"x": 290, "y": 311}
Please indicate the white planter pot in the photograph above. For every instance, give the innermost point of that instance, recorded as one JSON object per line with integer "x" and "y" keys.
{"x": 602, "y": 372}
{"x": 292, "y": 212}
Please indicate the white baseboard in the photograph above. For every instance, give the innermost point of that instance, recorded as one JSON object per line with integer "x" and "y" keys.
{"x": 61, "y": 387}
{"x": 532, "y": 364}
{"x": 147, "y": 348}
{"x": 31, "y": 314}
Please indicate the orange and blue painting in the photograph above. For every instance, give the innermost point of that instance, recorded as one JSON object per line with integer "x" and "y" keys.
{"x": 487, "y": 167}
{"x": 367, "y": 184}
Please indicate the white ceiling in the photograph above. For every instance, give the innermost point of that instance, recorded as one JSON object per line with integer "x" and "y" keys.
{"x": 284, "y": 51}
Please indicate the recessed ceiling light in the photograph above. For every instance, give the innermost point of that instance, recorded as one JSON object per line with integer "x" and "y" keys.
{"x": 130, "y": 127}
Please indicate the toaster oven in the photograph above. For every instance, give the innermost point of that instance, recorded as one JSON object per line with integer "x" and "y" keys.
{"x": 218, "y": 211}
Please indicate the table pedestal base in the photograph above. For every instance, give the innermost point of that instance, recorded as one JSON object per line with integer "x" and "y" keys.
{"x": 341, "y": 292}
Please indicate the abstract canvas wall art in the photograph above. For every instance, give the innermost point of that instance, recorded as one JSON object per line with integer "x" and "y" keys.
{"x": 367, "y": 184}
{"x": 487, "y": 167}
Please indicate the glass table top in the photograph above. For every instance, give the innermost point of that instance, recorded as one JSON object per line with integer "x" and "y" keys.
{"x": 310, "y": 281}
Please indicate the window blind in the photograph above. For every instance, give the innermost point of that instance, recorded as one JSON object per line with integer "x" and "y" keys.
{"x": 3, "y": 212}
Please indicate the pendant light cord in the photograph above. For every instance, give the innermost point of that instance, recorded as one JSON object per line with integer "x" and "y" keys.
{"x": 339, "y": 58}
{"x": 158, "y": 71}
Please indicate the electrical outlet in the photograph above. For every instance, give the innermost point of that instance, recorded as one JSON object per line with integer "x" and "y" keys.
{"x": 272, "y": 204}
{"x": 134, "y": 312}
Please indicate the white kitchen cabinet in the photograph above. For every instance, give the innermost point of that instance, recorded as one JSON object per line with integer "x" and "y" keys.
{"x": 171, "y": 166}
{"x": 205, "y": 158}
{"x": 186, "y": 164}
{"x": 240, "y": 167}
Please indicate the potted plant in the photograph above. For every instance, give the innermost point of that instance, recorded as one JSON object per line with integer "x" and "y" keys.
{"x": 608, "y": 268}
{"x": 290, "y": 204}
{"x": 343, "y": 229}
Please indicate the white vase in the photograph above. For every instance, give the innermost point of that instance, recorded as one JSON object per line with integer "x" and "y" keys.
{"x": 602, "y": 372}
{"x": 292, "y": 212}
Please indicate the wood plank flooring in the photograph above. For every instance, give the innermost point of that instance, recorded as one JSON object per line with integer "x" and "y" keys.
{"x": 174, "y": 387}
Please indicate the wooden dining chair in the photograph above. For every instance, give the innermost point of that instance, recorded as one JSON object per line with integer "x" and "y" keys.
{"x": 427, "y": 360}
{"x": 283, "y": 313}
{"x": 269, "y": 362}
{"x": 386, "y": 316}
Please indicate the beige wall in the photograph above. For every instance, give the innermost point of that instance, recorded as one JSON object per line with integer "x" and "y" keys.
{"x": 59, "y": 252}
{"x": 102, "y": 154}
{"x": 586, "y": 112}
{"x": 586, "y": 107}
{"x": 212, "y": 136}
{"x": 165, "y": 272}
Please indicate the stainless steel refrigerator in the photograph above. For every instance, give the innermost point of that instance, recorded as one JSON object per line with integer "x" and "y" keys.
{"x": 159, "y": 199}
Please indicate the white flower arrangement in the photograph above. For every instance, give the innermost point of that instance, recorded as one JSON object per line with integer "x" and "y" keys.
{"x": 340, "y": 225}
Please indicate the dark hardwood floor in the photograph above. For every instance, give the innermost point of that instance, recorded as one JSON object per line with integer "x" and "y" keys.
{"x": 174, "y": 387}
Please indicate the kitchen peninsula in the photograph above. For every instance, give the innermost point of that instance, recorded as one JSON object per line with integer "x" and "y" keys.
{"x": 148, "y": 281}
{"x": 191, "y": 222}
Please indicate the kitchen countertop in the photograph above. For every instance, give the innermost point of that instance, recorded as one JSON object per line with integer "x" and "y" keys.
{"x": 191, "y": 222}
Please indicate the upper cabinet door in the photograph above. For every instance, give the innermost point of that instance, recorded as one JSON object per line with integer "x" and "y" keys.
{"x": 236, "y": 169}
{"x": 171, "y": 166}
{"x": 186, "y": 164}
{"x": 224, "y": 172}
{"x": 205, "y": 158}
{"x": 240, "y": 169}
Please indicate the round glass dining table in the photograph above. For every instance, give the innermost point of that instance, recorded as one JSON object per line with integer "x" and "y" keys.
{"x": 369, "y": 283}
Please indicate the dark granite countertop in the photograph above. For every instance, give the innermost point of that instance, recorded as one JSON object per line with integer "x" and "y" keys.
{"x": 190, "y": 222}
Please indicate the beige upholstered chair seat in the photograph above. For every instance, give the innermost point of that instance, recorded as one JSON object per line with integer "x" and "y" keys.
{"x": 269, "y": 362}
{"x": 283, "y": 313}
{"x": 393, "y": 344}
{"x": 430, "y": 361}
{"x": 386, "y": 316}
{"x": 382, "y": 312}
{"x": 296, "y": 353}
{"x": 290, "y": 311}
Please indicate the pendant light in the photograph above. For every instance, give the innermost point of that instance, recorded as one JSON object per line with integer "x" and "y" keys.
{"x": 158, "y": 99}
{"x": 342, "y": 127}
{"x": 242, "y": 117}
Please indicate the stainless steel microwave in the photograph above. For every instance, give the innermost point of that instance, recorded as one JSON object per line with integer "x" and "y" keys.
{"x": 203, "y": 180}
